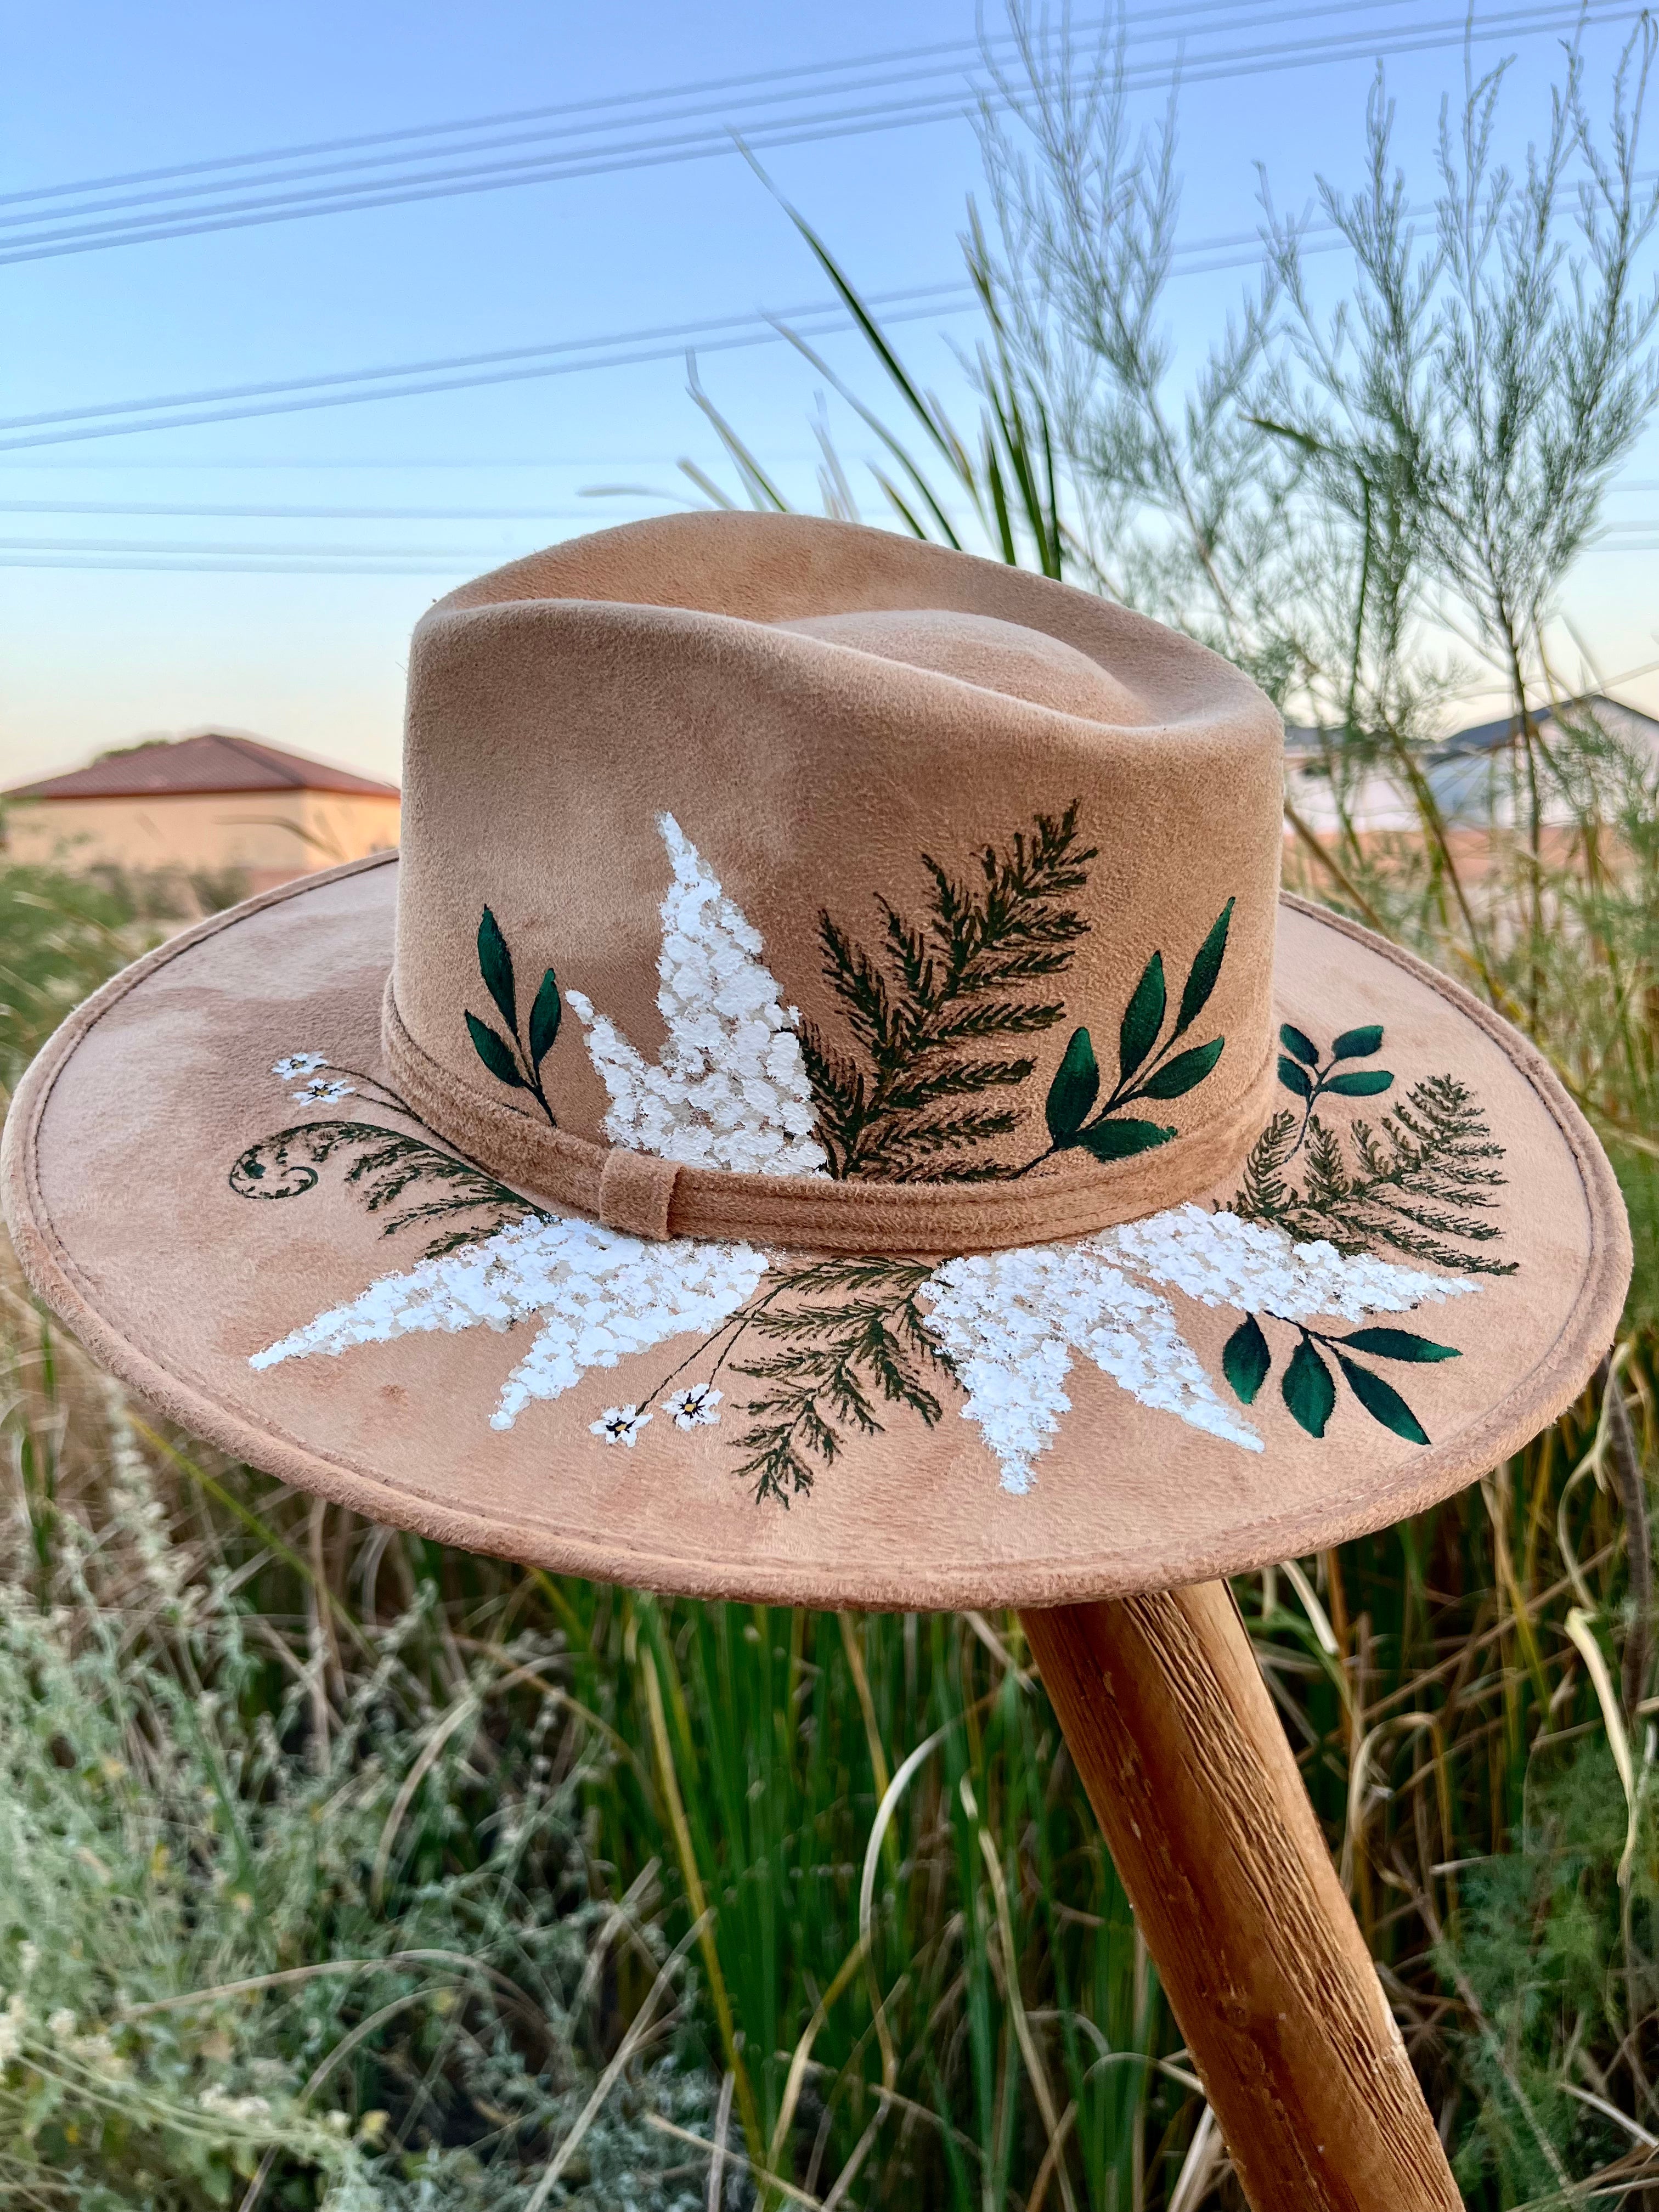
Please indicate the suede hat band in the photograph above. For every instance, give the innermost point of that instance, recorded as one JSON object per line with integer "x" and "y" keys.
{"x": 657, "y": 1198}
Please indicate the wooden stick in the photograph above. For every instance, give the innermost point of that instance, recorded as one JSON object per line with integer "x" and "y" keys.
{"x": 1193, "y": 1782}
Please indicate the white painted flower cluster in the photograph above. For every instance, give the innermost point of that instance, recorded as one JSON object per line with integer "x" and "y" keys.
{"x": 731, "y": 1090}
{"x": 1010, "y": 1321}
{"x": 321, "y": 1089}
{"x": 1221, "y": 1260}
{"x": 602, "y": 1295}
{"x": 690, "y": 1408}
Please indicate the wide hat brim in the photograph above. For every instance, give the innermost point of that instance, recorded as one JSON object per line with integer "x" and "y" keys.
{"x": 118, "y": 1189}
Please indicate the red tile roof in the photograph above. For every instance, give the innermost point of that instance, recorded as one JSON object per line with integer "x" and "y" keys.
{"x": 209, "y": 762}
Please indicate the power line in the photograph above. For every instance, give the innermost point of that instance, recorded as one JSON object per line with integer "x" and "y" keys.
{"x": 109, "y": 565}
{"x": 768, "y": 134}
{"x": 944, "y": 53}
{"x": 705, "y": 331}
{"x": 822, "y": 319}
{"x": 217, "y": 513}
{"x": 328, "y": 396}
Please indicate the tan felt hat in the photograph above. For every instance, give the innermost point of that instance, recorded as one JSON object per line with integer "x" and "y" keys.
{"x": 830, "y": 1106}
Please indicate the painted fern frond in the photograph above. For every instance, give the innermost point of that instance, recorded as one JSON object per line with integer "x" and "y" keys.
{"x": 844, "y": 1337}
{"x": 1422, "y": 1182}
{"x": 932, "y": 987}
{"x": 383, "y": 1165}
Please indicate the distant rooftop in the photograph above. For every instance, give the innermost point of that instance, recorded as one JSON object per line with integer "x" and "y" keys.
{"x": 1611, "y": 714}
{"x": 212, "y": 762}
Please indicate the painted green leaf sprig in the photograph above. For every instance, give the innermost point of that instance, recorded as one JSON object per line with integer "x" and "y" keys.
{"x": 1308, "y": 1387}
{"x": 512, "y": 1060}
{"x": 1146, "y": 1070}
{"x": 1300, "y": 1072}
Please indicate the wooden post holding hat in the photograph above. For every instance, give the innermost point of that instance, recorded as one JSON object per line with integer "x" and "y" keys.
{"x": 1187, "y": 1766}
{"x": 831, "y": 1108}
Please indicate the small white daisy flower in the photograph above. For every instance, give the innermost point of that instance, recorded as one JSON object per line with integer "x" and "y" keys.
{"x": 299, "y": 1063}
{"x": 619, "y": 1424}
{"x": 694, "y": 1406}
{"x": 321, "y": 1091}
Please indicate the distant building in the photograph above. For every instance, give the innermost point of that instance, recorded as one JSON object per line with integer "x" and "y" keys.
{"x": 1471, "y": 774}
{"x": 206, "y": 805}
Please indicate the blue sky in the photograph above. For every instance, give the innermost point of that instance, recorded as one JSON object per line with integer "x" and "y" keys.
{"x": 97, "y": 654}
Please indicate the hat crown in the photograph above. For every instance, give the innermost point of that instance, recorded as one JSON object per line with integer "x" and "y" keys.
{"x": 1008, "y": 657}
{"x": 831, "y": 844}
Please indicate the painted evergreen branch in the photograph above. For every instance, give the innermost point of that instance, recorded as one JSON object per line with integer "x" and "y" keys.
{"x": 888, "y": 1108}
{"x": 387, "y": 1163}
{"x": 849, "y": 1336}
{"x": 1421, "y": 1183}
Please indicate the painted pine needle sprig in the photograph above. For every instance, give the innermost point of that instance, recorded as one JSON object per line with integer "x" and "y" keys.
{"x": 909, "y": 1100}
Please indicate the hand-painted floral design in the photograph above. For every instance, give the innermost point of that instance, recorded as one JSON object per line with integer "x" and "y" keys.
{"x": 907, "y": 1095}
{"x": 620, "y": 1425}
{"x": 694, "y": 1407}
{"x": 809, "y": 1352}
{"x": 600, "y": 1298}
{"x": 731, "y": 1090}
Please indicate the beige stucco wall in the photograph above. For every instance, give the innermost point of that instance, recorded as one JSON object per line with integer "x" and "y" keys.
{"x": 270, "y": 836}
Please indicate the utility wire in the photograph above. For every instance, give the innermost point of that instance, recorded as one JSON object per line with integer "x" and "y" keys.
{"x": 819, "y": 319}
{"x": 766, "y": 135}
{"x": 216, "y": 513}
{"x": 945, "y": 54}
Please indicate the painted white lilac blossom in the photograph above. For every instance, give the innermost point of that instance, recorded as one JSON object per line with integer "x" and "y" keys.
{"x": 602, "y": 1295}
{"x": 323, "y": 1090}
{"x": 731, "y": 1090}
{"x": 1011, "y": 1321}
{"x": 299, "y": 1063}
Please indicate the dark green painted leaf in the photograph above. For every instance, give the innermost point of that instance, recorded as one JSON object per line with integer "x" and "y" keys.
{"x": 494, "y": 1052}
{"x": 1299, "y": 1043}
{"x": 1120, "y": 1141}
{"x": 1400, "y": 1344}
{"x": 1245, "y": 1359}
{"x": 544, "y": 1017}
{"x": 1383, "y": 1402}
{"x": 1143, "y": 1017}
{"x": 1363, "y": 1083}
{"x": 1308, "y": 1389}
{"x": 1359, "y": 1044}
{"x": 1294, "y": 1077}
{"x": 1074, "y": 1089}
{"x": 1201, "y": 976}
{"x": 1182, "y": 1074}
{"x": 495, "y": 966}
